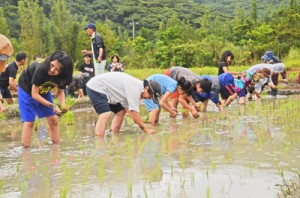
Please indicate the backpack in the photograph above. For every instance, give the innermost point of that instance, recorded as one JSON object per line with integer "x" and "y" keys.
{"x": 226, "y": 79}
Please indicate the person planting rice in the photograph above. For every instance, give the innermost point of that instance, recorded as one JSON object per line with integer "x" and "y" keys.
{"x": 34, "y": 93}
{"x": 198, "y": 85}
{"x": 275, "y": 70}
{"x": 168, "y": 87}
{"x": 247, "y": 81}
{"x": 223, "y": 84}
{"x": 119, "y": 93}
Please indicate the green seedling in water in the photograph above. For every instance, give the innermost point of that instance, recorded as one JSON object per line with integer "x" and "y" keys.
{"x": 192, "y": 179}
{"x": 110, "y": 193}
{"x": 172, "y": 169}
{"x": 101, "y": 171}
{"x": 213, "y": 166}
{"x": 129, "y": 186}
{"x": 169, "y": 190}
{"x": 63, "y": 192}
{"x": 145, "y": 191}
{"x": 208, "y": 192}
{"x": 207, "y": 174}
{"x": 182, "y": 183}
{"x": 69, "y": 118}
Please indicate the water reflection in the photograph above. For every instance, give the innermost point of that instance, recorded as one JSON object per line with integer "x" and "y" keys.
{"x": 219, "y": 152}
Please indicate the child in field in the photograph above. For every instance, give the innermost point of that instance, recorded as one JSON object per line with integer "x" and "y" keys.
{"x": 168, "y": 87}
{"x": 222, "y": 84}
{"x": 249, "y": 79}
{"x": 198, "y": 85}
{"x": 35, "y": 98}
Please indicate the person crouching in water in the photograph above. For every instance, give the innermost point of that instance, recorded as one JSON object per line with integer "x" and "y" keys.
{"x": 185, "y": 98}
{"x": 168, "y": 87}
{"x": 119, "y": 93}
{"x": 247, "y": 81}
{"x": 34, "y": 93}
{"x": 222, "y": 84}
{"x": 78, "y": 84}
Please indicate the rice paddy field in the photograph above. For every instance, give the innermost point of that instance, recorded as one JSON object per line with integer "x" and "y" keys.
{"x": 245, "y": 151}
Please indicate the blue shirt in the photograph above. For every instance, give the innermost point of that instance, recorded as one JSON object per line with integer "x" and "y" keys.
{"x": 166, "y": 83}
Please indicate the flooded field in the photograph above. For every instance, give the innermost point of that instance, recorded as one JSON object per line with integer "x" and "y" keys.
{"x": 242, "y": 152}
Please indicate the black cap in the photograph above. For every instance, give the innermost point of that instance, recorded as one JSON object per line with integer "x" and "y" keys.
{"x": 155, "y": 89}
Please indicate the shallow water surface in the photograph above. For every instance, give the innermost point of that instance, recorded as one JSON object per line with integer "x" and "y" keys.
{"x": 236, "y": 153}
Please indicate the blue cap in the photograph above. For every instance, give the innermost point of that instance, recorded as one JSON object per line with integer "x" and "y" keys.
{"x": 90, "y": 25}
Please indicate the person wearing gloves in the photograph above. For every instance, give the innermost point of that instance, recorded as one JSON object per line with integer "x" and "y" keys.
{"x": 119, "y": 93}
{"x": 34, "y": 93}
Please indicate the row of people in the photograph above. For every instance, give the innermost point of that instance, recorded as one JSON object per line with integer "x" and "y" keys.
{"x": 119, "y": 93}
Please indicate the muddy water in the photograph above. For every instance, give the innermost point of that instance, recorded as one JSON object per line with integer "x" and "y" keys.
{"x": 237, "y": 153}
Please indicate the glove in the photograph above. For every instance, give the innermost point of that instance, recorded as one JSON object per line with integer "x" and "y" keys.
{"x": 274, "y": 91}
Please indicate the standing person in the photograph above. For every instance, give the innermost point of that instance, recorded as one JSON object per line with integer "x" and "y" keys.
{"x": 98, "y": 49}
{"x": 198, "y": 85}
{"x": 226, "y": 59}
{"x": 6, "y": 50}
{"x": 115, "y": 64}
{"x": 87, "y": 66}
{"x": 35, "y": 98}
{"x": 8, "y": 77}
{"x": 119, "y": 92}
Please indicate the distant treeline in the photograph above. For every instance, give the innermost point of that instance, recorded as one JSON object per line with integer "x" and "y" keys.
{"x": 153, "y": 33}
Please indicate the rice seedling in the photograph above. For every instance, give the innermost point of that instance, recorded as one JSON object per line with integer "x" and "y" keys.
{"x": 182, "y": 183}
{"x": 145, "y": 191}
{"x": 101, "y": 170}
{"x": 208, "y": 192}
{"x": 69, "y": 118}
{"x": 129, "y": 188}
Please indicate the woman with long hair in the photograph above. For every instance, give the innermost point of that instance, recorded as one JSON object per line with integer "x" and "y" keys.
{"x": 34, "y": 93}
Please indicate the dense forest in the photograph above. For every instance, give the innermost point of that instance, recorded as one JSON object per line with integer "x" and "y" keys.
{"x": 156, "y": 33}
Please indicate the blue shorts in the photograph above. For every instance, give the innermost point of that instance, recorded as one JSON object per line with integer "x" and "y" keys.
{"x": 242, "y": 93}
{"x": 100, "y": 102}
{"x": 5, "y": 93}
{"x": 29, "y": 107}
{"x": 150, "y": 105}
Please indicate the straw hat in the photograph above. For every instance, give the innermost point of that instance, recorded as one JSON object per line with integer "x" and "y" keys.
{"x": 6, "y": 49}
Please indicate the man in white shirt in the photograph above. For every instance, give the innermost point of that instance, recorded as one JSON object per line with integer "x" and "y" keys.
{"x": 119, "y": 93}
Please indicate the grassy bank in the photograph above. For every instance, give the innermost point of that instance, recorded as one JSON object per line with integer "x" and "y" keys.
{"x": 292, "y": 72}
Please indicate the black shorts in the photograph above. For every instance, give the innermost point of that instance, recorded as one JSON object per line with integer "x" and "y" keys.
{"x": 226, "y": 91}
{"x": 5, "y": 93}
{"x": 100, "y": 102}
